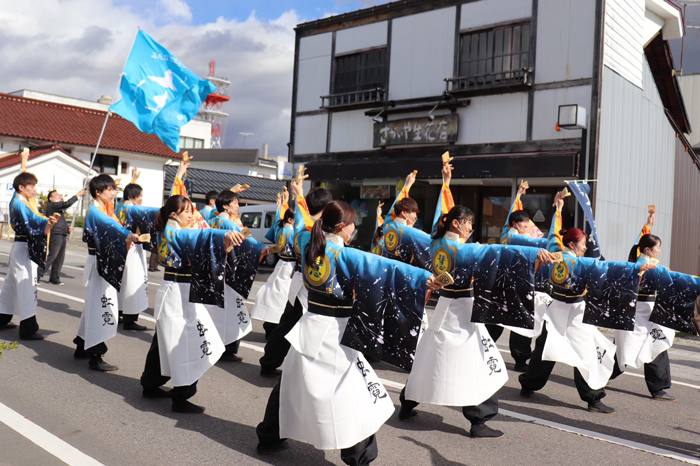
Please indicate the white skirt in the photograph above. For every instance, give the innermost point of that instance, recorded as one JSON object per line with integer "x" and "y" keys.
{"x": 579, "y": 345}
{"x": 457, "y": 363}
{"x": 233, "y": 321}
{"x": 329, "y": 396}
{"x": 295, "y": 287}
{"x": 643, "y": 344}
{"x": 100, "y": 312}
{"x": 133, "y": 296}
{"x": 272, "y": 296}
{"x": 188, "y": 342}
{"x": 19, "y": 293}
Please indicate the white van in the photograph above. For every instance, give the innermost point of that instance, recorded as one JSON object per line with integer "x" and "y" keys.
{"x": 259, "y": 219}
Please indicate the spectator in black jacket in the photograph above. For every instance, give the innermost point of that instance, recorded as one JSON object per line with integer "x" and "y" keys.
{"x": 57, "y": 241}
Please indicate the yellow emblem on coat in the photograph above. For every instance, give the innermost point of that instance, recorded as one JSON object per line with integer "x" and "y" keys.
{"x": 318, "y": 273}
{"x": 163, "y": 249}
{"x": 560, "y": 272}
{"x": 122, "y": 216}
{"x": 282, "y": 240}
{"x": 442, "y": 261}
{"x": 391, "y": 239}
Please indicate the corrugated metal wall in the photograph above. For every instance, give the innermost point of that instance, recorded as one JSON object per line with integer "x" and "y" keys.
{"x": 635, "y": 165}
{"x": 685, "y": 240}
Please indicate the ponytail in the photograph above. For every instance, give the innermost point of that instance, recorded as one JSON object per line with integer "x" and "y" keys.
{"x": 646, "y": 241}
{"x": 288, "y": 215}
{"x": 459, "y": 213}
{"x": 335, "y": 213}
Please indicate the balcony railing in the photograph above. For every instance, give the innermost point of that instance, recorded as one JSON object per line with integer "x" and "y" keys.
{"x": 511, "y": 78}
{"x": 354, "y": 98}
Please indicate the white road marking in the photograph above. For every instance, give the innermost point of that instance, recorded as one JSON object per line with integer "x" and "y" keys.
{"x": 555, "y": 425}
{"x": 45, "y": 439}
{"x": 59, "y": 448}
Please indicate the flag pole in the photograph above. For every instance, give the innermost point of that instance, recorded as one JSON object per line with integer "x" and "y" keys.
{"x": 104, "y": 125}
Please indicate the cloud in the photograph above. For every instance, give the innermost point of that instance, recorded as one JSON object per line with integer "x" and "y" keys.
{"x": 177, "y": 9}
{"x": 83, "y": 57}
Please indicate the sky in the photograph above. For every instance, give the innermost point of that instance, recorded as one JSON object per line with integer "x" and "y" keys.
{"x": 77, "y": 48}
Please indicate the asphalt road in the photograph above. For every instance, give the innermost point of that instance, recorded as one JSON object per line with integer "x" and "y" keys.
{"x": 54, "y": 410}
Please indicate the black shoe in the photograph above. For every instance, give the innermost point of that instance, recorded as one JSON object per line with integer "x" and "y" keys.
{"x": 153, "y": 270}
{"x": 267, "y": 448}
{"x": 7, "y": 326}
{"x": 230, "y": 357}
{"x": 56, "y": 282}
{"x": 33, "y": 336}
{"x": 97, "y": 364}
{"x": 134, "y": 326}
{"x": 184, "y": 406}
{"x": 661, "y": 395}
{"x": 520, "y": 367}
{"x": 599, "y": 407}
{"x": 405, "y": 414}
{"x": 268, "y": 374}
{"x": 484, "y": 431}
{"x": 525, "y": 393}
{"x": 155, "y": 393}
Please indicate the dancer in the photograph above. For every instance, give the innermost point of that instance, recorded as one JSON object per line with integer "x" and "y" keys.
{"x": 271, "y": 299}
{"x": 186, "y": 343}
{"x": 648, "y": 344}
{"x": 233, "y": 321}
{"x": 108, "y": 242}
{"x": 325, "y": 384}
{"x": 133, "y": 296}
{"x": 18, "y": 293}
{"x": 277, "y": 345}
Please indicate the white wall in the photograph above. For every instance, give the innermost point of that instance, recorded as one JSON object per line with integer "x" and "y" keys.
{"x": 496, "y": 118}
{"x": 546, "y": 110}
{"x": 624, "y": 38}
{"x": 636, "y": 164}
{"x": 198, "y": 129}
{"x": 314, "y": 71}
{"x": 351, "y": 131}
{"x": 310, "y": 134}
{"x": 485, "y": 12}
{"x": 422, "y": 54}
{"x": 690, "y": 88}
{"x": 565, "y": 40}
{"x": 362, "y": 37}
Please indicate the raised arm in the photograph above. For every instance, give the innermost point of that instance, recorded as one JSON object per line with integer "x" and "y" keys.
{"x": 404, "y": 193}
{"x": 178, "y": 184}
{"x": 445, "y": 200}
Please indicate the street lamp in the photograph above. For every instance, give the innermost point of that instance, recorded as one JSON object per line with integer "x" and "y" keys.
{"x": 573, "y": 116}
{"x": 245, "y": 135}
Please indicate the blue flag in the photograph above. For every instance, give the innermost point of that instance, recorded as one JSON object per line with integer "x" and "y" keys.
{"x": 158, "y": 94}
{"x": 581, "y": 192}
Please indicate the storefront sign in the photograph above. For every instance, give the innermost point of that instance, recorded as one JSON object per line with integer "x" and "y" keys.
{"x": 374, "y": 192}
{"x": 410, "y": 131}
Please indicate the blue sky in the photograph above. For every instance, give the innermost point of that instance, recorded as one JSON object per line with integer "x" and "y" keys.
{"x": 207, "y": 11}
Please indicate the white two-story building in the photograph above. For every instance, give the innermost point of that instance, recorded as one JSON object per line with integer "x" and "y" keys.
{"x": 382, "y": 91}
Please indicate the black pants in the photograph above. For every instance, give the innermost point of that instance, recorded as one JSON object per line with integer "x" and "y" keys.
{"x": 269, "y": 327}
{"x": 520, "y": 346}
{"x": 129, "y": 318}
{"x": 97, "y": 350}
{"x": 232, "y": 348}
{"x": 538, "y": 372}
{"x": 479, "y": 414}
{"x": 657, "y": 373}
{"x": 27, "y": 326}
{"x": 153, "y": 378}
{"x": 277, "y": 345}
{"x": 57, "y": 252}
{"x": 268, "y": 432}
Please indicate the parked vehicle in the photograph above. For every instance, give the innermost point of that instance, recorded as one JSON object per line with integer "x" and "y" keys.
{"x": 259, "y": 219}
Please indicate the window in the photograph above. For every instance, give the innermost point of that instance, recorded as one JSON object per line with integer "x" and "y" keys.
{"x": 269, "y": 219}
{"x": 125, "y": 168}
{"x": 492, "y": 57}
{"x": 360, "y": 71}
{"x": 191, "y": 143}
{"x": 251, "y": 219}
{"x": 106, "y": 164}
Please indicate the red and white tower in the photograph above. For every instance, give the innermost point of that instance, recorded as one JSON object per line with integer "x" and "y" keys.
{"x": 212, "y": 108}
